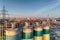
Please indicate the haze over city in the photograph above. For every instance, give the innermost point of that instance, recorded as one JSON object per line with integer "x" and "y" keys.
{"x": 25, "y": 8}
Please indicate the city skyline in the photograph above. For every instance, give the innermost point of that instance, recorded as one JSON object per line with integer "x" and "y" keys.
{"x": 25, "y": 8}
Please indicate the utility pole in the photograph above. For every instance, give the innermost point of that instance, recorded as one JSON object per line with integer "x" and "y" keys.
{"x": 4, "y": 13}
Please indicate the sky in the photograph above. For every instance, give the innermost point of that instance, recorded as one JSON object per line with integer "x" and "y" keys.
{"x": 37, "y": 8}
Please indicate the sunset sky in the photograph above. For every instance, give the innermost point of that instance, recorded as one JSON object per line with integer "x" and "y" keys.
{"x": 33, "y": 8}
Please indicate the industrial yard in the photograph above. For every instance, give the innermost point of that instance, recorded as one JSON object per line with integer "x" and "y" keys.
{"x": 35, "y": 28}
{"x": 29, "y": 20}
{"x": 8, "y": 28}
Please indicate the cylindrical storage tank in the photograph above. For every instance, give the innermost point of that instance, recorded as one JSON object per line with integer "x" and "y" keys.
{"x": 27, "y": 33}
{"x": 46, "y": 33}
{"x": 38, "y": 32}
{"x": 11, "y": 34}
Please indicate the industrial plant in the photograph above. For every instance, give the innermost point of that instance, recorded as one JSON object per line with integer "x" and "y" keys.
{"x": 28, "y": 28}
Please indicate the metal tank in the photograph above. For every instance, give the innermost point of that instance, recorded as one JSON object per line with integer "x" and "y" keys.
{"x": 27, "y": 32}
{"x": 11, "y": 34}
{"x": 46, "y": 30}
{"x": 46, "y": 33}
{"x": 38, "y": 32}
